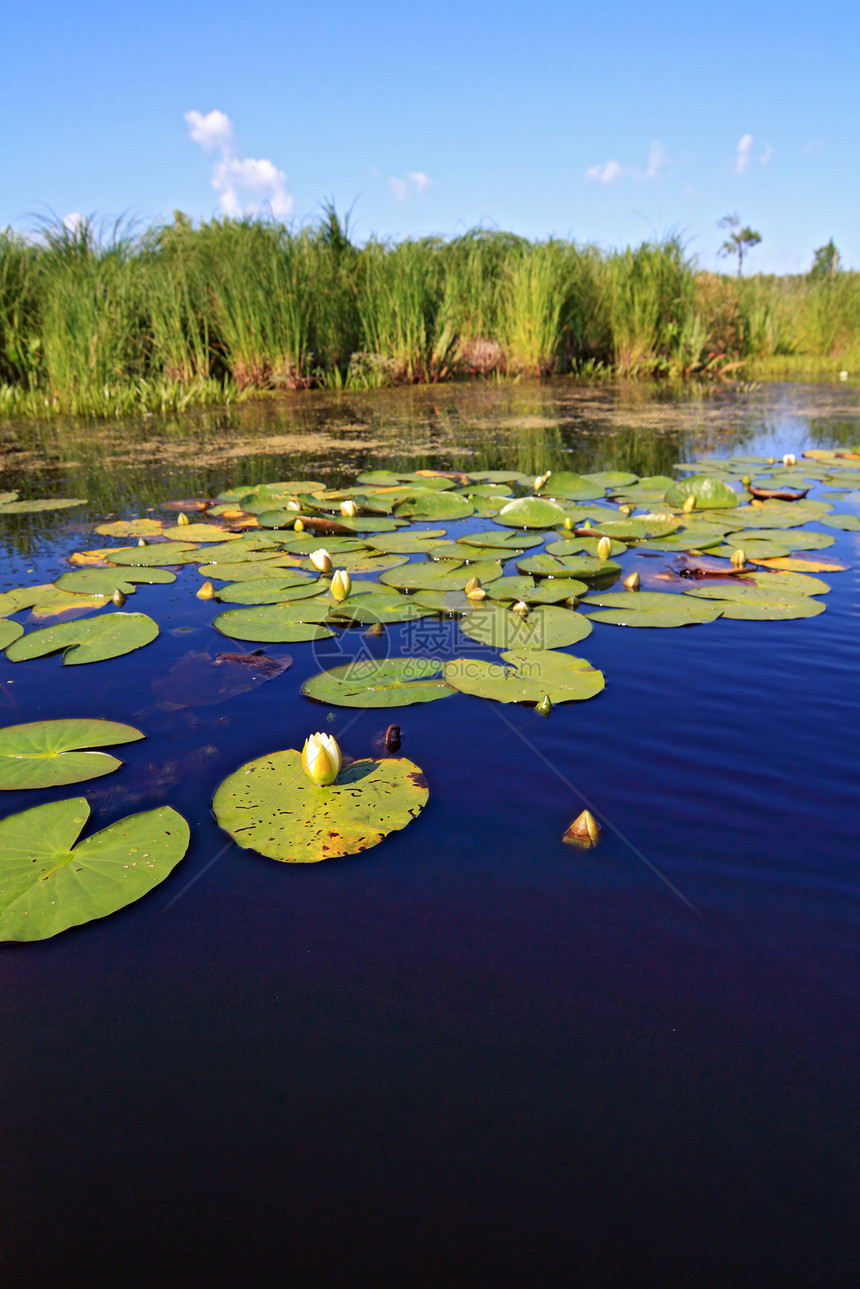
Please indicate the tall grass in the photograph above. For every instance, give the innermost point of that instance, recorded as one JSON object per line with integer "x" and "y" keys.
{"x": 105, "y": 321}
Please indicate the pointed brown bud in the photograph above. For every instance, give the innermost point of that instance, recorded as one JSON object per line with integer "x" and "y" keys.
{"x": 375, "y": 629}
{"x": 583, "y": 832}
{"x": 392, "y": 738}
{"x": 118, "y": 598}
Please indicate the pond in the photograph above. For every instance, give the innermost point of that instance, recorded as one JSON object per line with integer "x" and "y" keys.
{"x": 471, "y": 1054}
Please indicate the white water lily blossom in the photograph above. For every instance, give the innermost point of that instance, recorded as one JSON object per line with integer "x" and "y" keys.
{"x": 321, "y": 759}
{"x": 320, "y": 560}
{"x": 348, "y": 508}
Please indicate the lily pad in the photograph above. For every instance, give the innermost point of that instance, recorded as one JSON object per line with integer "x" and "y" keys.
{"x": 390, "y": 682}
{"x": 36, "y": 507}
{"x": 271, "y": 806}
{"x": 48, "y": 884}
{"x": 249, "y": 570}
{"x": 48, "y": 754}
{"x": 163, "y": 555}
{"x": 436, "y": 505}
{"x": 24, "y": 597}
{"x": 582, "y": 546}
{"x": 132, "y": 528}
{"x": 492, "y": 539}
{"x": 104, "y": 581}
{"x": 847, "y": 523}
{"x": 754, "y": 602}
{"x": 544, "y": 628}
{"x": 88, "y": 640}
{"x": 440, "y": 577}
{"x": 269, "y": 590}
{"x": 553, "y": 590}
{"x": 530, "y": 512}
{"x": 286, "y": 623}
{"x": 572, "y": 486}
{"x": 377, "y": 607}
{"x": 363, "y": 561}
{"x": 9, "y": 631}
{"x": 526, "y": 677}
{"x": 779, "y": 537}
{"x": 612, "y": 478}
{"x": 648, "y": 609}
{"x": 408, "y": 543}
{"x": 511, "y": 588}
{"x": 710, "y": 492}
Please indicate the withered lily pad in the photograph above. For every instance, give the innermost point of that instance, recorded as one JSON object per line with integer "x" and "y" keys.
{"x": 199, "y": 680}
{"x": 48, "y": 884}
{"x": 88, "y": 640}
{"x": 526, "y": 677}
{"x": 271, "y": 806}
{"x": 48, "y": 754}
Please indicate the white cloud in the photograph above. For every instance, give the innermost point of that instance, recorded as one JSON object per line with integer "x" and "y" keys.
{"x": 236, "y": 178}
{"x": 73, "y": 221}
{"x": 742, "y": 159}
{"x": 610, "y": 171}
{"x": 416, "y": 181}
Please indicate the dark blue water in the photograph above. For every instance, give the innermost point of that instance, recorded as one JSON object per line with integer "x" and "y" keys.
{"x": 471, "y": 1056}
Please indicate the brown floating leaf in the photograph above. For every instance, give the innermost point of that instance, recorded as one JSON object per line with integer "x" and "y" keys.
{"x": 188, "y": 503}
{"x": 777, "y": 494}
{"x": 199, "y": 680}
{"x": 584, "y": 832}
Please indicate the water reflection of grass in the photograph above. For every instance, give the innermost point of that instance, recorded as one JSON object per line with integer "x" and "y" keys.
{"x": 119, "y": 323}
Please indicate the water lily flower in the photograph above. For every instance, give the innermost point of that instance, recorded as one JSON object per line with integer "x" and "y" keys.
{"x": 477, "y": 593}
{"x": 321, "y": 759}
{"x": 294, "y": 504}
{"x": 182, "y": 518}
{"x": 604, "y": 548}
{"x": 320, "y": 560}
{"x": 632, "y": 582}
{"x": 348, "y": 508}
{"x": 541, "y": 480}
{"x": 739, "y": 558}
{"x": 689, "y": 504}
{"x": 544, "y": 707}
{"x": 521, "y": 609}
{"x": 298, "y": 526}
{"x": 568, "y": 523}
{"x": 206, "y": 592}
{"x": 583, "y": 832}
{"x": 789, "y": 459}
{"x": 341, "y": 584}
{"x": 471, "y": 585}
{"x": 626, "y": 510}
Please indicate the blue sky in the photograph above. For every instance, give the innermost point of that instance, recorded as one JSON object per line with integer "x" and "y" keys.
{"x": 608, "y": 123}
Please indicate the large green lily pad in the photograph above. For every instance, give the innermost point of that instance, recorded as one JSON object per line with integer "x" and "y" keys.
{"x": 512, "y": 588}
{"x": 428, "y": 576}
{"x": 271, "y": 806}
{"x": 104, "y": 581}
{"x": 48, "y": 884}
{"x": 390, "y": 682}
{"x": 575, "y": 487}
{"x": 583, "y": 546}
{"x": 710, "y": 492}
{"x": 165, "y": 554}
{"x": 847, "y": 523}
{"x": 647, "y": 609}
{"x": 544, "y": 628}
{"x": 435, "y": 505}
{"x": 47, "y": 754}
{"x": 9, "y": 631}
{"x": 526, "y": 676}
{"x": 36, "y": 507}
{"x": 754, "y": 602}
{"x": 87, "y": 640}
{"x": 269, "y": 590}
{"x": 250, "y": 570}
{"x": 779, "y": 537}
{"x": 492, "y": 539}
{"x": 530, "y": 512}
{"x": 379, "y": 607}
{"x": 284, "y": 623}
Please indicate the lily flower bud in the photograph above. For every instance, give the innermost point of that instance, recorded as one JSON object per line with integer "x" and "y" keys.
{"x": 739, "y": 558}
{"x": 206, "y": 592}
{"x": 583, "y": 832}
{"x": 789, "y": 459}
{"x": 568, "y": 523}
{"x": 604, "y": 548}
{"x": 541, "y": 480}
{"x": 118, "y": 598}
{"x": 689, "y": 504}
{"x": 471, "y": 585}
{"x": 520, "y": 609}
{"x": 298, "y": 526}
{"x": 632, "y": 582}
{"x": 348, "y": 508}
{"x": 477, "y": 594}
{"x": 746, "y": 481}
{"x": 141, "y": 541}
{"x": 626, "y": 510}
{"x": 341, "y": 584}
{"x": 182, "y": 518}
{"x": 294, "y": 504}
{"x": 320, "y": 560}
{"x": 544, "y": 706}
{"x": 321, "y": 759}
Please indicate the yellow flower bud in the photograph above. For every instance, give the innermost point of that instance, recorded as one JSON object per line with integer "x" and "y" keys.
{"x": 568, "y": 523}
{"x": 544, "y": 706}
{"x": 689, "y": 504}
{"x": 471, "y": 585}
{"x": 320, "y": 560}
{"x": 521, "y": 609}
{"x": 789, "y": 459}
{"x": 604, "y": 548}
{"x": 206, "y": 592}
{"x": 477, "y": 594}
{"x": 632, "y": 582}
{"x": 118, "y": 598}
{"x": 341, "y": 584}
{"x": 739, "y": 558}
{"x": 294, "y": 504}
{"x": 321, "y": 759}
{"x": 583, "y": 832}
{"x": 182, "y": 519}
{"x": 141, "y": 541}
{"x": 348, "y": 508}
{"x": 298, "y": 526}
{"x": 626, "y": 510}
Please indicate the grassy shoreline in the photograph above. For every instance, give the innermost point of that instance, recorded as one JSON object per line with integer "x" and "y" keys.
{"x": 115, "y": 324}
